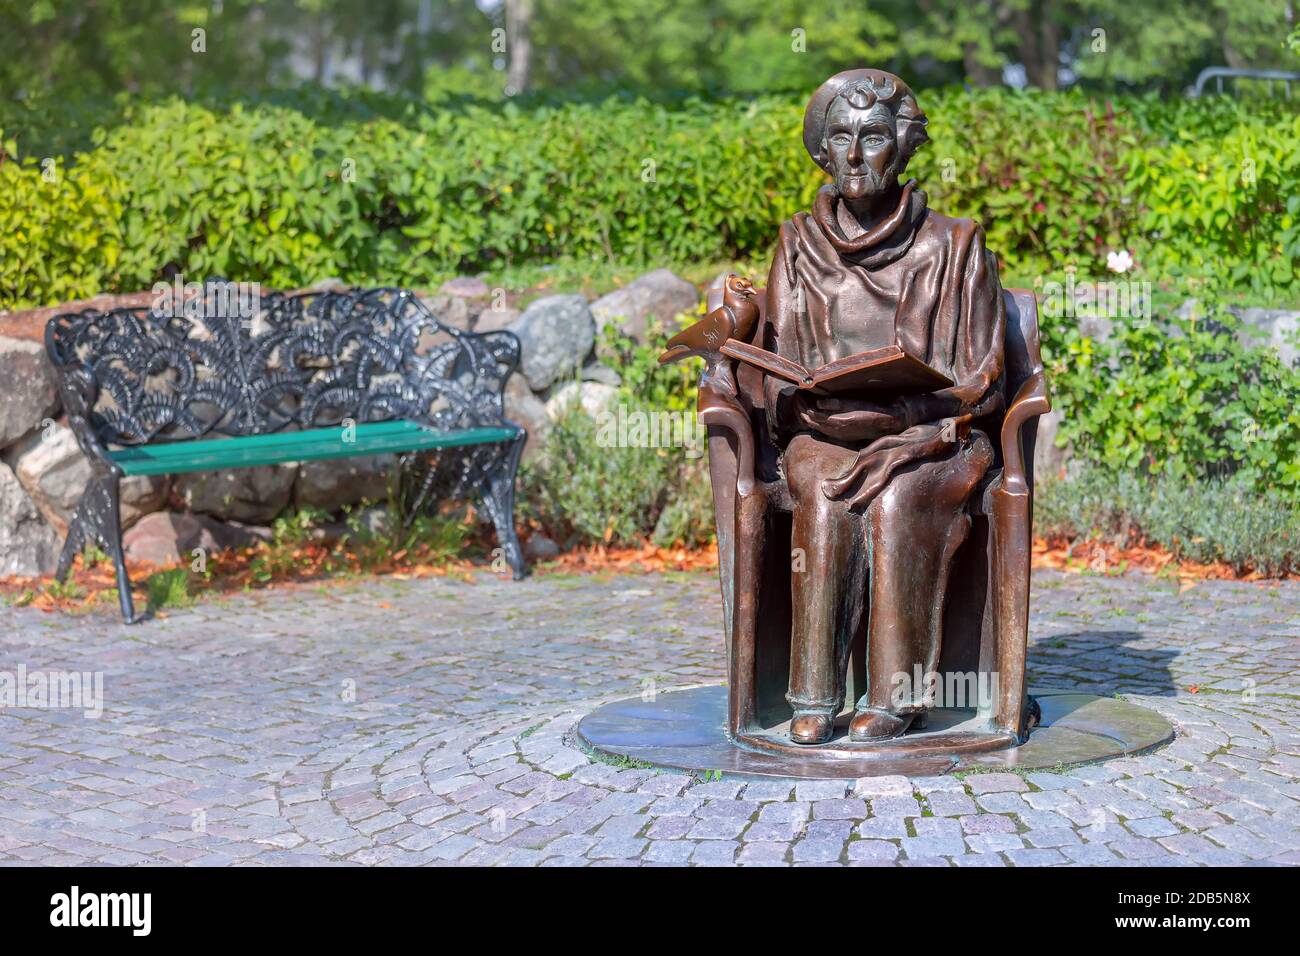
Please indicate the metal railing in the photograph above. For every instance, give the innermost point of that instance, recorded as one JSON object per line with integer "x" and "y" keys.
{"x": 1219, "y": 73}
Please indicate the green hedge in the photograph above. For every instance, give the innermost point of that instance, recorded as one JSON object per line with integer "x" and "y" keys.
{"x": 267, "y": 193}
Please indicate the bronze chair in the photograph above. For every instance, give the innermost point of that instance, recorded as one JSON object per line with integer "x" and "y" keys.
{"x": 986, "y": 619}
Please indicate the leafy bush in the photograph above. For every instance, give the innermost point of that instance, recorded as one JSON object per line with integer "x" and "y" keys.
{"x": 582, "y": 493}
{"x": 1198, "y": 519}
{"x": 1186, "y": 398}
{"x": 376, "y": 194}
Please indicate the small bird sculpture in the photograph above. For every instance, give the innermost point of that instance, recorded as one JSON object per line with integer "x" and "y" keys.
{"x": 733, "y": 318}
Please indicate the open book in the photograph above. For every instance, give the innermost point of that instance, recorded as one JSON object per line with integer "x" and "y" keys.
{"x": 887, "y": 370}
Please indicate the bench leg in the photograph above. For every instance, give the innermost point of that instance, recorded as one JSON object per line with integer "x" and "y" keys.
{"x": 98, "y": 519}
{"x": 499, "y": 502}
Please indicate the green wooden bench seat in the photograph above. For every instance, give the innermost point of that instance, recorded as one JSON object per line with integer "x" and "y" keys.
{"x": 246, "y": 451}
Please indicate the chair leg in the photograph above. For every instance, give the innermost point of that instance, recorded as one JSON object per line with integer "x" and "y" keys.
{"x": 98, "y": 519}
{"x": 499, "y": 502}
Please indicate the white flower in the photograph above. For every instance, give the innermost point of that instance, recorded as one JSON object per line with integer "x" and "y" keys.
{"x": 1119, "y": 261}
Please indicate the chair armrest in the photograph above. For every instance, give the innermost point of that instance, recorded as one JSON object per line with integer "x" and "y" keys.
{"x": 724, "y": 410}
{"x": 1030, "y": 402}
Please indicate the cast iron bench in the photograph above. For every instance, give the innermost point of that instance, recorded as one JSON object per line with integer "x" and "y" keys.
{"x": 284, "y": 378}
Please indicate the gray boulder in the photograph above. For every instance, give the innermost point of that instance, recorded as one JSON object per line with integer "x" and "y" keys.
{"x": 251, "y": 495}
{"x": 450, "y": 310}
{"x": 31, "y": 390}
{"x": 596, "y": 372}
{"x": 659, "y": 296}
{"x": 592, "y": 397}
{"x": 168, "y": 537}
{"x": 28, "y": 545}
{"x": 331, "y": 485}
{"x": 493, "y": 319}
{"x": 49, "y": 464}
{"x": 1049, "y": 461}
{"x": 465, "y": 287}
{"x": 557, "y": 334}
{"x": 1278, "y": 328}
{"x": 524, "y": 408}
{"x": 541, "y": 548}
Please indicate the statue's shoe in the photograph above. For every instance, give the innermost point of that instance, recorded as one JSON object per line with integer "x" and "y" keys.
{"x": 868, "y": 725}
{"x": 811, "y": 728}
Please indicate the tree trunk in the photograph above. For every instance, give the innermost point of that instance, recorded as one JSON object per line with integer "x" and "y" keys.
{"x": 977, "y": 74}
{"x": 518, "y": 15}
{"x": 1039, "y": 46}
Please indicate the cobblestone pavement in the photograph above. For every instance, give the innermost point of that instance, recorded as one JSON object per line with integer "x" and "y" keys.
{"x": 428, "y": 721}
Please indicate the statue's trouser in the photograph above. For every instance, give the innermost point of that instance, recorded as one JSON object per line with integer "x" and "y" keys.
{"x": 891, "y": 562}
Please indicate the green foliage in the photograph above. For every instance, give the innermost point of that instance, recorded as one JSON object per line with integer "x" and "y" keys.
{"x": 54, "y": 48}
{"x": 1198, "y": 519}
{"x": 426, "y": 538}
{"x": 170, "y": 588}
{"x": 376, "y": 195}
{"x": 1190, "y": 399}
{"x": 644, "y": 382}
{"x": 581, "y": 491}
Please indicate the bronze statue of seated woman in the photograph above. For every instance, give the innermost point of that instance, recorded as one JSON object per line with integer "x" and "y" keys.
{"x": 871, "y": 418}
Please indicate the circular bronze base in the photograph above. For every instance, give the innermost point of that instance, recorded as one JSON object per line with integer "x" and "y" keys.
{"x": 684, "y": 730}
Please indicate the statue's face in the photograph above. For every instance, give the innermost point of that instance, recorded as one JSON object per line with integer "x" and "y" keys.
{"x": 862, "y": 147}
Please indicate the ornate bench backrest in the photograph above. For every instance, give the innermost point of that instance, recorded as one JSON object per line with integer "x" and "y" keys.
{"x": 230, "y": 367}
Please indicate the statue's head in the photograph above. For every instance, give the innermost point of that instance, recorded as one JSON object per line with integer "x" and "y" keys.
{"x": 862, "y": 127}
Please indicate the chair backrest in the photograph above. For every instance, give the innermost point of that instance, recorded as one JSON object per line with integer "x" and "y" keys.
{"x": 1023, "y": 353}
{"x": 1024, "y": 359}
{"x": 224, "y": 366}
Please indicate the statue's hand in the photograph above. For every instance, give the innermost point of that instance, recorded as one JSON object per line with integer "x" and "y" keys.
{"x": 849, "y": 419}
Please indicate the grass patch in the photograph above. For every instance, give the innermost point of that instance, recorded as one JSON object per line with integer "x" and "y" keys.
{"x": 170, "y": 588}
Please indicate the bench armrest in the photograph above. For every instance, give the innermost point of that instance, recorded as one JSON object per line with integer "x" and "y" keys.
{"x": 79, "y": 390}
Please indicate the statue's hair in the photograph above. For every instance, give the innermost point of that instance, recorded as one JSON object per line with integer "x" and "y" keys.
{"x": 863, "y": 89}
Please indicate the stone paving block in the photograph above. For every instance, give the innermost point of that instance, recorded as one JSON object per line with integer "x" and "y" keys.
{"x": 1035, "y": 857}
{"x": 886, "y": 828}
{"x": 979, "y": 860}
{"x": 715, "y": 853}
{"x": 669, "y": 851}
{"x": 617, "y": 847}
{"x": 809, "y": 790}
{"x": 817, "y": 851}
{"x": 848, "y": 808}
{"x": 1052, "y": 836}
{"x": 950, "y": 804}
{"x": 876, "y": 851}
{"x": 718, "y": 828}
{"x": 979, "y": 783}
{"x": 764, "y": 790}
{"x": 924, "y": 847}
{"x": 889, "y": 786}
{"x": 987, "y": 823}
{"x": 763, "y": 854}
{"x": 773, "y": 832}
{"x": 669, "y": 828}
{"x": 1090, "y": 854}
{"x": 994, "y": 842}
{"x": 1152, "y": 827}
